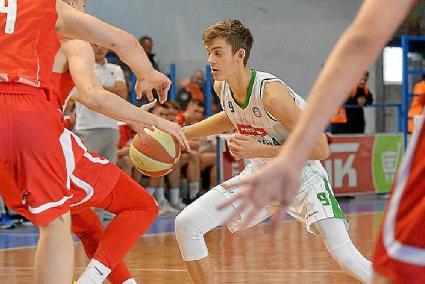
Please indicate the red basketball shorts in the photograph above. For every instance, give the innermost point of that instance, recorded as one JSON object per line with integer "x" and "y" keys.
{"x": 92, "y": 176}
{"x": 33, "y": 176}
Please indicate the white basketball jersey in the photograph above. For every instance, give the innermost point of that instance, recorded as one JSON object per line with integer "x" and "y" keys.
{"x": 251, "y": 118}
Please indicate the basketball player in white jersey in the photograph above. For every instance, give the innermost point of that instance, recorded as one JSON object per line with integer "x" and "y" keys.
{"x": 259, "y": 105}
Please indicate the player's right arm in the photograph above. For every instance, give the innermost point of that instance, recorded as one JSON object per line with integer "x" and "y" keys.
{"x": 80, "y": 59}
{"x": 75, "y": 24}
{"x": 215, "y": 124}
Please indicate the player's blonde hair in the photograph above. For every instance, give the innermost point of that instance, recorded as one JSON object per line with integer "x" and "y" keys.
{"x": 234, "y": 32}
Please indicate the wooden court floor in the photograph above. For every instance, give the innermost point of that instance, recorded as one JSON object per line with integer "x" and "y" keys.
{"x": 289, "y": 255}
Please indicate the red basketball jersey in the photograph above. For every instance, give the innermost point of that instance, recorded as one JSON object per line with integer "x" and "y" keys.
{"x": 26, "y": 47}
{"x": 61, "y": 87}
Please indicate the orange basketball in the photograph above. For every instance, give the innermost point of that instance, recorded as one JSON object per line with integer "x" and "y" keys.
{"x": 156, "y": 155}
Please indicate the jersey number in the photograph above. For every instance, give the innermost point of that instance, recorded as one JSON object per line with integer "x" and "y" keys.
{"x": 10, "y": 10}
{"x": 232, "y": 109}
{"x": 323, "y": 198}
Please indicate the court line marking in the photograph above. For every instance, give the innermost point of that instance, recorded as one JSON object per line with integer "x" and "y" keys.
{"x": 169, "y": 233}
{"x": 218, "y": 270}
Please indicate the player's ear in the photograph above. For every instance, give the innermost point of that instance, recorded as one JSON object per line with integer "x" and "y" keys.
{"x": 241, "y": 54}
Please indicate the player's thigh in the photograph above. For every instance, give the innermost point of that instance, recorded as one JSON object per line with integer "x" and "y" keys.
{"x": 32, "y": 158}
{"x": 315, "y": 201}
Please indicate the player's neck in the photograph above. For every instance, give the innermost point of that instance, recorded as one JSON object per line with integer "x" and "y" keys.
{"x": 239, "y": 83}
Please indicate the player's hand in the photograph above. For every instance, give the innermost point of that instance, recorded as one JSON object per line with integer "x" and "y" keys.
{"x": 139, "y": 127}
{"x": 244, "y": 146}
{"x": 174, "y": 129}
{"x": 276, "y": 183}
{"x": 153, "y": 80}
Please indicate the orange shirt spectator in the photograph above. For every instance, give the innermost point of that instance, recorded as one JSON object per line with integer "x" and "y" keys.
{"x": 417, "y": 105}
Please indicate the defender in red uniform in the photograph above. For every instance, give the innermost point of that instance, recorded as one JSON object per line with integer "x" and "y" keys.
{"x": 33, "y": 162}
{"x": 95, "y": 182}
{"x": 94, "y": 179}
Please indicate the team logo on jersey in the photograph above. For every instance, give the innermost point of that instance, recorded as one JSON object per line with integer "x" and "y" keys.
{"x": 250, "y": 130}
{"x": 257, "y": 112}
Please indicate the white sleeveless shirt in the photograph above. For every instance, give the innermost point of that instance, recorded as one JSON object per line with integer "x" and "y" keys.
{"x": 251, "y": 118}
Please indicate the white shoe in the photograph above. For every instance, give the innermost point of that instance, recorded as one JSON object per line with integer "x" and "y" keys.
{"x": 180, "y": 205}
{"x": 165, "y": 207}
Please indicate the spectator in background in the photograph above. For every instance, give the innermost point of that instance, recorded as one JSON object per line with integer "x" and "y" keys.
{"x": 100, "y": 133}
{"x": 202, "y": 149}
{"x": 339, "y": 121}
{"x": 360, "y": 97}
{"x": 194, "y": 113}
{"x": 123, "y": 158}
{"x": 147, "y": 43}
{"x": 193, "y": 89}
{"x": 417, "y": 104}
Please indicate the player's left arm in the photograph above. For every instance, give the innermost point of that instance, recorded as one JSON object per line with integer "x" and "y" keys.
{"x": 247, "y": 147}
{"x": 279, "y": 103}
{"x": 90, "y": 91}
{"x": 72, "y": 23}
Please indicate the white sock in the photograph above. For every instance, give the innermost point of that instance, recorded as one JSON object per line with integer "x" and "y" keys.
{"x": 95, "y": 273}
{"x": 183, "y": 187}
{"x": 335, "y": 236}
{"x": 151, "y": 190}
{"x": 130, "y": 281}
{"x": 174, "y": 195}
{"x": 193, "y": 189}
{"x": 159, "y": 194}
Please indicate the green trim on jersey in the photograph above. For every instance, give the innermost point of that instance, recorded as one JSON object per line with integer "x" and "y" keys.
{"x": 335, "y": 206}
{"x": 248, "y": 92}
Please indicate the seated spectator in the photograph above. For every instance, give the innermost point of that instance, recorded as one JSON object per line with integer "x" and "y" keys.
{"x": 123, "y": 158}
{"x": 203, "y": 149}
{"x": 193, "y": 113}
{"x": 156, "y": 186}
{"x": 193, "y": 89}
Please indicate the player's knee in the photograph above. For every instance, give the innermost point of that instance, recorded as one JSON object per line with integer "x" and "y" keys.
{"x": 85, "y": 230}
{"x": 61, "y": 223}
{"x": 186, "y": 226}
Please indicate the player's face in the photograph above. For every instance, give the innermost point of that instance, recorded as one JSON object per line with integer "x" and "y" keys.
{"x": 196, "y": 112}
{"x": 222, "y": 61}
{"x": 147, "y": 46}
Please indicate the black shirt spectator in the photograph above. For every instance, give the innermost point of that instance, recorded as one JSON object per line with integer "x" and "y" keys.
{"x": 360, "y": 97}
